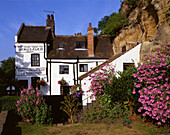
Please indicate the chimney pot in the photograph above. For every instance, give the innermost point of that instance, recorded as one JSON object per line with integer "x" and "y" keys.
{"x": 48, "y": 17}
{"x": 89, "y": 25}
{"x": 52, "y": 17}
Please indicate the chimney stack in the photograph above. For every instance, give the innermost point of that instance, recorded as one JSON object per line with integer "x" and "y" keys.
{"x": 90, "y": 41}
{"x": 50, "y": 23}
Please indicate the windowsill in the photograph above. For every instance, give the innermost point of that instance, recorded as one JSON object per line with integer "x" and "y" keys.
{"x": 60, "y": 49}
{"x": 80, "y": 49}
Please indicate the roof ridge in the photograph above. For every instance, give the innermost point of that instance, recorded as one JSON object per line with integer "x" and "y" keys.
{"x": 35, "y": 26}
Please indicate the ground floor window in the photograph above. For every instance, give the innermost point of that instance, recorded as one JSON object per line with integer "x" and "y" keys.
{"x": 83, "y": 67}
{"x": 34, "y": 82}
{"x": 127, "y": 65}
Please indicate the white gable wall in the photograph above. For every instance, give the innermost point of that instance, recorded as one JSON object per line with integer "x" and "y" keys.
{"x": 132, "y": 56}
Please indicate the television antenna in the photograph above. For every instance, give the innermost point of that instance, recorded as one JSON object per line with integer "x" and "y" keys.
{"x": 49, "y": 11}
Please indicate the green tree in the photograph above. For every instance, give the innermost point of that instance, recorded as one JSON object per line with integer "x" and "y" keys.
{"x": 115, "y": 23}
{"x": 7, "y": 70}
{"x": 103, "y": 22}
{"x": 95, "y": 30}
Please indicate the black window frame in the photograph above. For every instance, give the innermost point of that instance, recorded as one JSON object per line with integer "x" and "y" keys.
{"x": 61, "y": 45}
{"x": 124, "y": 49}
{"x": 81, "y": 45}
{"x": 34, "y": 62}
{"x": 82, "y": 68}
{"x": 63, "y": 69}
{"x": 127, "y": 65}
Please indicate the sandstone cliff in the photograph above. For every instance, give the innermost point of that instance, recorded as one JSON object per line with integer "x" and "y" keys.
{"x": 147, "y": 26}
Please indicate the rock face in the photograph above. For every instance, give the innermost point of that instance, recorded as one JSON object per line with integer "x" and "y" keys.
{"x": 147, "y": 26}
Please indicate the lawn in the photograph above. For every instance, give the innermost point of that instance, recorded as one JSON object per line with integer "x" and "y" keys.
{"x": 104, "y": 127}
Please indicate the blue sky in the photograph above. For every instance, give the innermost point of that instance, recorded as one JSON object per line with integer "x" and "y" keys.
{"x": 71, "y": 16}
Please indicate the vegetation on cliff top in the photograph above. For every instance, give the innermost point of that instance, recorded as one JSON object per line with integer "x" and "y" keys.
{"x": 112, "y": 24}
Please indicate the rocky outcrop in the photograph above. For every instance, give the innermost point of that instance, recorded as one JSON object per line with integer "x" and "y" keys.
{"x": 147, "y": 26}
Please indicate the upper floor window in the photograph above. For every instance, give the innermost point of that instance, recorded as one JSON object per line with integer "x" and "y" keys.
{"x": 81, "y": 44}
{"x": 64, "y": 69}
{"x": 127, "y": 65}
{"x": 35, "y": 60}
{"x": 61, "y": 45}
{"x": 83, "y": 67}
{"x": 123, "y": 48}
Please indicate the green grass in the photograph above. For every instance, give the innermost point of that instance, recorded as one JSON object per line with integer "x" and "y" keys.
{"x": 14, "y": 126}
{"x": 105, "y": 127}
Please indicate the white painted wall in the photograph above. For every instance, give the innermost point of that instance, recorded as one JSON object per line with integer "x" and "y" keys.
{"x": 24, "y": 70}
{"x": 132, "y": 56}
{"x": 55, "y": 76}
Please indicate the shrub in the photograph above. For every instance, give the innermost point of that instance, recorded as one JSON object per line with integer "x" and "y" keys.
{"x": 8, "y": 102}
{"x": 153, "y": 80}
{"x": 70, "y": 106}
{"x": 32, "y": 107}
{"x": 112, "y": 91}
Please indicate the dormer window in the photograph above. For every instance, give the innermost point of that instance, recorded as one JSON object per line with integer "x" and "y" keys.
{"x": 81, "y": 45}
{"x": 61, "y": 45}
{"x": 123, "y": 48}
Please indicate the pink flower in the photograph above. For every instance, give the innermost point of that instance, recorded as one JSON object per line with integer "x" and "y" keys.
{"x": 163, "y": 120}
{"x": 26, "y": 99}
{"x": 109, "y": 82}
{"x": 159, "y": 77}
{"x": 134, "y": 92}
{"x": 37, "y": 102}
{"x": 112, "y": 69}
{"x": 28, "y": 120}
{"x": 138, "y": 85}
{"x": 30, "y": 86}
{"x": 19, "y": 110}
{"x": 159, "y": 123}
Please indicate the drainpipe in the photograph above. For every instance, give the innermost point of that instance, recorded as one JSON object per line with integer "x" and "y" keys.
{"x": 77, "y": 67}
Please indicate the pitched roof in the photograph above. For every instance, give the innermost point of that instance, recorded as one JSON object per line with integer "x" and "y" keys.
{"x": 102, "y": 47}
{"x": 29, "y": 33}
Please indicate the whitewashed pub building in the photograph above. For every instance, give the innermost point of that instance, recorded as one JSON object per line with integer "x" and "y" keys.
{"x": 40, "y": 54}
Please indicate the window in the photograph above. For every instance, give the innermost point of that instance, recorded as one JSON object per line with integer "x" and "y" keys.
{"x": 61, "y": 45}
{"x": 81, "y": 44}
{"x": 83, "y": 67}
{"x": 64, "y": 69}
{"x": 123, "y": 48}
{"x": 34, "y": 82}
{"x": 127, "y": 65}
{"x": 35, "y": 60}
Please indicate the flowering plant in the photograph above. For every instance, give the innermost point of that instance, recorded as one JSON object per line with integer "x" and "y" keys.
{"x": 154, "y": 84}
{"x": 41, "y": 82}
{"x": 62, "y": 81}
{"x": 32, "y": 107}
{"x": 76, "y": 90}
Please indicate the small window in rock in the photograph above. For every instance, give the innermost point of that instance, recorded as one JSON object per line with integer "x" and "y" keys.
{"x": 61, "y": 45}
{"x": 123, "y": 48}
